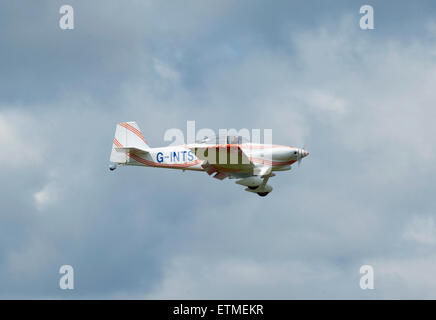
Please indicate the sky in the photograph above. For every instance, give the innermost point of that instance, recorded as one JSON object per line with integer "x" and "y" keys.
{"x": 361, "y": 101}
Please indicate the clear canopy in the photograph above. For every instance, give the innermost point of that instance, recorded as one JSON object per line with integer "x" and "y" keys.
{"x": 230, "y": 139}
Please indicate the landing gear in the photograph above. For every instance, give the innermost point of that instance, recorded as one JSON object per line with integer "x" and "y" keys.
{"x": 112, "y": 167}
{"x": 262, "y": 194}
{"x": 257, "y": 184}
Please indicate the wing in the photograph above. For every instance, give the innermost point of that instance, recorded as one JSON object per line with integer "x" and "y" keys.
{"x": 262, "y": 171}
{"x": 229, "y": 155}
{"x": 231, "y": 161}
{"x": 222, "y": 159}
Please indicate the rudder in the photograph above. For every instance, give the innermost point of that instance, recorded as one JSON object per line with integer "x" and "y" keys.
{"x": 127, "y": 135}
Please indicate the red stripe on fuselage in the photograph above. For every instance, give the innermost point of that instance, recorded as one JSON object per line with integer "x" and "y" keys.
{"x": 243, "y": 146}
{"x": 272, "y": 163}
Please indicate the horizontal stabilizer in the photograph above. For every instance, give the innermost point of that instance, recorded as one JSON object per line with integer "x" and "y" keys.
{"x": 130, "y": 149}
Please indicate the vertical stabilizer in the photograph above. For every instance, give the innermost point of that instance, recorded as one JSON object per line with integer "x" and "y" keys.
{"x": 127, "y": 135}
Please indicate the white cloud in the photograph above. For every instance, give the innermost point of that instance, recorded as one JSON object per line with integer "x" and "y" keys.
{"x": 191, "y": 277}
{"x": 406, "y": 277}
{"x": 31, "y": 259}
{"x": 165, "y": 71}
{"x": 320, "y": 100}
{"x": 48, "y": 195}
{"x": 21, "y": 145}
{"x": 431, "y": 27}
{"x": 422, "y": 230}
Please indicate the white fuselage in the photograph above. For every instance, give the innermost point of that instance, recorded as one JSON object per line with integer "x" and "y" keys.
{"x": 278, "y": 157}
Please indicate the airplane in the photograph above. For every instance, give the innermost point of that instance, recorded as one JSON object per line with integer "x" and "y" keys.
{"x": 251, "y": 163}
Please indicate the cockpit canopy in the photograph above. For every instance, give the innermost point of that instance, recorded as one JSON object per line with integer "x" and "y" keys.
{"x": 236, "y": 139}
{"x": 230, "y": 139}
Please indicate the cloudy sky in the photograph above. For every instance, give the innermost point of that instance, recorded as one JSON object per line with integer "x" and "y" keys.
{"x": 362, "y": 102}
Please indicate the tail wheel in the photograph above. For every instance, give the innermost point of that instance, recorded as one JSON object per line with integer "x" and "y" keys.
{"x": 262, "y": 194}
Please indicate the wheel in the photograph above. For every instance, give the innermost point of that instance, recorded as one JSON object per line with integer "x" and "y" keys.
{"x": 252, "y": 188}
{"x": 262, "y": 194}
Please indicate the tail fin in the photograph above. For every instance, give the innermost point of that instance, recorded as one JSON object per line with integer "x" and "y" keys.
{"x": 127, "y": 136}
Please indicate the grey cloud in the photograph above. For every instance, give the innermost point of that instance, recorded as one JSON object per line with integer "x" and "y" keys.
{"x": 361, "y": 102}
